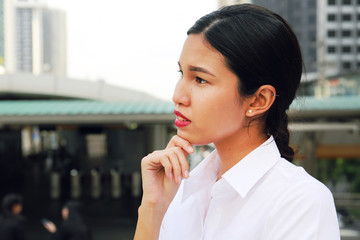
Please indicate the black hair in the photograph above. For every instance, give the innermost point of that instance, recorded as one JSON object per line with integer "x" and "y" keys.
{"x": 259, "y": 47}
{"x": 8, "y": 202}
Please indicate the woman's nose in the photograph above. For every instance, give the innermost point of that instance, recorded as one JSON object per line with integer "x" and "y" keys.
{"x": 181, "y": 94}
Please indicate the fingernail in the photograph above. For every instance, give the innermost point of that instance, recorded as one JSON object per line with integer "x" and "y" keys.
{"x": 190, "y": 149}
{"x": 170, "y": 175}
{"x": 179, "y": 179}
{"x": 186, "y": 173}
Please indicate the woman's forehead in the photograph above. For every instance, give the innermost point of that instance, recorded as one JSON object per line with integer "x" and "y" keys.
{"x": 197, "y": 50}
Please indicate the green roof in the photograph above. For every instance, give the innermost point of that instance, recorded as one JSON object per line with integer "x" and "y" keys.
{"x": 89, "y": 107}
{"x": 82, "y": 107}
{"x": 338, "y": 103}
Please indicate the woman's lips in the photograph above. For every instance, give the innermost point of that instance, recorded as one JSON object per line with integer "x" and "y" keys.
{"x": 181, "y": 120}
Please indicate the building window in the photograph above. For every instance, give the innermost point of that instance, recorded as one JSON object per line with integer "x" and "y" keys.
{"x": 331, "y": 49}
{"x": 358, "y": 2}
{"x": 346, "y": 33}
{"x": 331, "y": 33}
{"x": 331, "y": 2}
{"x": 346, "y": 65}
{"x": 331, "y": 17}
{"x": 346, "y": 17}
{"x": 346, "y": 2}
{"x": 358, "y": 49}
{"x": 346, "y": 49}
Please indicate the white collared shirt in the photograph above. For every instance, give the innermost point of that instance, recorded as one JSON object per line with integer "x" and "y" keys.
{"x": 262, "y": 197}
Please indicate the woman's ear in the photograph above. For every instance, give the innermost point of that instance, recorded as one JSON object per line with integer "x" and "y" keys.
{"x": 261, "y": 101}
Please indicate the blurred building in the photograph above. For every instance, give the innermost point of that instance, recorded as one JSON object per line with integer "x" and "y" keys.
{"x": 222, "y": 3}
{"x": 302, "y": 16}
{"x": 327, "y": 30}
{"x": 61, "y": 127}
{"x": 32, "y": 37}
{"x": 1, "y": 36}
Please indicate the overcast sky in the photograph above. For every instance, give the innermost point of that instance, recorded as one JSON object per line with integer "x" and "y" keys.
{"x": 132, "y": 44}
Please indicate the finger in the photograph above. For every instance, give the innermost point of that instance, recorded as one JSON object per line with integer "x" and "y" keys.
{"x": 152, "y": 160}
{"x": 177, "y": 141}
{"x": 168, "y": 168}
{"x": 174, "y": 158}
{"x": 184, "y": 165}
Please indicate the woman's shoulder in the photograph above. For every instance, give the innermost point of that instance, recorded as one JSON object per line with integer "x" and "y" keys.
{"x": 301, "y": 205}
{"x": 296, "y": 182}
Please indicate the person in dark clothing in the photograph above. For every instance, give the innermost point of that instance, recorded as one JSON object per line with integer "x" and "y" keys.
{"x": 72, "y": 227}
{"x": 12, "y": 223}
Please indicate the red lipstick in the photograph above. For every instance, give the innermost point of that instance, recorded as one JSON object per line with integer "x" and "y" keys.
{"x": 181, "y": 120}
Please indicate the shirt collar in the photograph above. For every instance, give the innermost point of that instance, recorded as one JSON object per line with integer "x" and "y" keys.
{"x": 201, "y": 176}
{"x": 241, "y": 177}
{"x": 247, "y": 172}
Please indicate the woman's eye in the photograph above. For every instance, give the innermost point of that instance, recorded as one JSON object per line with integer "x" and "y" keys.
{"x": 200, "y": 80}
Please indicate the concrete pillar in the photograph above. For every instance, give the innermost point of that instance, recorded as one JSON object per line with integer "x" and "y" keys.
{"x": 55, "y": 185}
{"x": 95, "y": 184}
{"x": 136, "y": 184}
{"x": 115, "y": 183}
{"x": 75, "y": 184}
{"x": 159, "y": 137}
{"x": 309, "y": 148}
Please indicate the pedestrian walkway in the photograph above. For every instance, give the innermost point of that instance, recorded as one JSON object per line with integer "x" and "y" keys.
{"x": 107, "y": 219}
{"x": 102, "y": 229}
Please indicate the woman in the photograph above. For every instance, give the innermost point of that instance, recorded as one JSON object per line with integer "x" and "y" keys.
{"x": 72, "y": 227}
{"x": 241, "y": 67}
{"x": 12, "y": 223}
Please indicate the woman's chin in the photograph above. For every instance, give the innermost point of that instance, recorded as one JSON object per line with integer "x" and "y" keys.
{"x": 194, "y": 139}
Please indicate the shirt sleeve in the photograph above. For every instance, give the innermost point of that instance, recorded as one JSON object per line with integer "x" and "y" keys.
{"x": 306, "y": 212}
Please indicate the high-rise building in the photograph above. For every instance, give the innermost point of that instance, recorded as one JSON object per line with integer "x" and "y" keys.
{"x": 328, "y": 32}
{"x": 34, "y": 38}
{"x": 302, "y": 16}
{"x": 1, "y": 36}
{"x": 222, "y": 3}
{"x": 54, "y": 42}
{"x": 340, "y": 34}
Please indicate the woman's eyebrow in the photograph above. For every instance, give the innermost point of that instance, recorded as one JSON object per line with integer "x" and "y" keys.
{"x": 198, "y": 69}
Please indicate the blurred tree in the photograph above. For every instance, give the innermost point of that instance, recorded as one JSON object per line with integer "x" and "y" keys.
{"x": 335, "y": 172}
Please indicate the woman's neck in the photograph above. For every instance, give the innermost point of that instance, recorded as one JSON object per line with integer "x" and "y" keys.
{"x": 236, "y": 147}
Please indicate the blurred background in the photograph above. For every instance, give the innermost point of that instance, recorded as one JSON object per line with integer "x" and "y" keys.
{"x": 85, "y": 93}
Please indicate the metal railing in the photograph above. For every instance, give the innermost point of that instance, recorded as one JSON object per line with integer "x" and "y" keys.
{"x": 347, "y": 200}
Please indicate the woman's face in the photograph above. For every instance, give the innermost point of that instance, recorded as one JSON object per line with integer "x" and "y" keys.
{"x": 207, "y": 102}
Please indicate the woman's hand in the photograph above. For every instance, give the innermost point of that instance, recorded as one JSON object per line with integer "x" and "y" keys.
{"x": 162, "y": 171}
